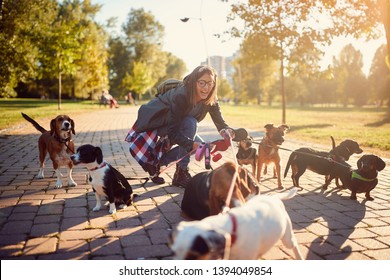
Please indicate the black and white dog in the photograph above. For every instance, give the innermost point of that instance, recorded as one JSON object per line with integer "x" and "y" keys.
{"x": 105, "y": 180}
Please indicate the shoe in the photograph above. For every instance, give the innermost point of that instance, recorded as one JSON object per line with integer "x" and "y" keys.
{"x": 154, "y": 171}
{"x": 182, "y": 177}
{"x": 158, "y": 180}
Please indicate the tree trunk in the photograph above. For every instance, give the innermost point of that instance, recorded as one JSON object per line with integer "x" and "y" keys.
{"x": 283, "y": 93}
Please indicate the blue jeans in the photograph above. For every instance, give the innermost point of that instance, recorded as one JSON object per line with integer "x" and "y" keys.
{"x": 189, "y": 128}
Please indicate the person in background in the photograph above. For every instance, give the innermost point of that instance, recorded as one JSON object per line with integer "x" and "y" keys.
{"x": 166, "y": 128}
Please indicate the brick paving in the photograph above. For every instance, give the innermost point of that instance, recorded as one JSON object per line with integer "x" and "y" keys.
{"x": 40, "y": 222}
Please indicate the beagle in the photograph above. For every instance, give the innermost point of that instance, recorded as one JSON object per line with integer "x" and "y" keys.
{"x": 58, "y": 143}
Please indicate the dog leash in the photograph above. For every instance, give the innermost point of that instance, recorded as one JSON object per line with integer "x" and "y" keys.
{"x": 163, "y": 170}
{"x": 307, "y": 154}
{"x": 65, "y": 142}
{"x": 235, "y": 175}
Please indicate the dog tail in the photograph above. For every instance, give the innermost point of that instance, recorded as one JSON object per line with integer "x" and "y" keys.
{"x": 287, "y": 195}
{"x": 34, "y": 123}
{"x": 290, "y": 159}
{"x": 333, "y": 143}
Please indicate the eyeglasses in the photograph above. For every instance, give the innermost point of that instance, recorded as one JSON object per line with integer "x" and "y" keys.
{"x": 203, "y": 84}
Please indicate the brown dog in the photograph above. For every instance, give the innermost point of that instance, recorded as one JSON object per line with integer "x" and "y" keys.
{"x": 246, "y": 154}
{"x": 58, "y": 143}
{"x": 268, "y": 151}
{"x": 207, "y": 191}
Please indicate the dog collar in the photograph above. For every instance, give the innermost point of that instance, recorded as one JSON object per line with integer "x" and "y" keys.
{"x": 357, "y": 176}
{"x": 59, "y": 139}
{"x": 98, "y": 167}
{"x": 234, "y": 229}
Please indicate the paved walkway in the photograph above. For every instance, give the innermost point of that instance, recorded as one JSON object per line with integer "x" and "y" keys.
{"x": 40, "y": 222}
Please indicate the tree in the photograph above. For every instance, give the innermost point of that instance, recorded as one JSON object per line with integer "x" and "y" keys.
{"x": 119, "y": 64}
{"x": 140, "y": 45}
{"x": 24, "y": 25}
{"x": 43, "y": 41}
{"x": 141, "y": 78}
{"x": 176, "y": 67}
{"x": 225, "y": 91}
{"x": 256, "y": 66}
{"x": 288, "y": 21}
{"x": 289, "y": 26}
{"x": 379, "y": 76}
{"x": 75, "y": 49}
{"x": 352, "y": 86}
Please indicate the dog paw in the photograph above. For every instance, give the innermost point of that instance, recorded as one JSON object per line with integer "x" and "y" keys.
{"x": 96, "y": 208}
{"x": 58, "y": 185}
{"x": 281, "y": 188}
{"x": 112, "y": 211}
{"x": 353, "y": 197}
{"x": 122, "y": 206}
{"x": 72, "y": 184}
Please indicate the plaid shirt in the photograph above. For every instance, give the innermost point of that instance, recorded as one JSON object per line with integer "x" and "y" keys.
{"x": 145, "y": 147}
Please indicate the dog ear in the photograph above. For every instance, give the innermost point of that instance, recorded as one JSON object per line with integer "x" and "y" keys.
{"x": 242, "y": 183}
{"x": 52, "y": 126}
{"x": 99, "y": 155}
{"x": 380, "y": 164}
{"x": 199, "y": 245}
{"x": 360, "y": 162}
{"x": 269, "y": 126}
{"x": 72, "y": 124}
{"x": 284, "y": 127}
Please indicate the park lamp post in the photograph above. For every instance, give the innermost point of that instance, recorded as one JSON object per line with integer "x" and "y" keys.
{"x": 203, "y": 33}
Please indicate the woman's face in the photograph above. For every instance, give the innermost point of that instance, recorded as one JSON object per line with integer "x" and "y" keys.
{"x": 204, "y": 85}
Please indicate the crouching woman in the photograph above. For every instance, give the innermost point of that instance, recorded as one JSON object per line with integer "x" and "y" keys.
{"x": 166, "y": 127}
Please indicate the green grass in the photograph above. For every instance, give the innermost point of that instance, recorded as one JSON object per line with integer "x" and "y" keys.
{"x": 10, "y": 109}
{"x": 317, "y": 124}
{"x": 313, "y": 124}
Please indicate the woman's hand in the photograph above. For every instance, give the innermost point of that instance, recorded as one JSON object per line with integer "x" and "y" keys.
{"x": 227, "y": 133}
{"x": 195, "y": 145}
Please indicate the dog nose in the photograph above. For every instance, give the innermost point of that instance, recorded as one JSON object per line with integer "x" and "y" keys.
{"x": 66, "y": 124}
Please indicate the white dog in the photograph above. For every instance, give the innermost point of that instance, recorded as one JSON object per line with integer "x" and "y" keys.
{"x": 245, "y": 232}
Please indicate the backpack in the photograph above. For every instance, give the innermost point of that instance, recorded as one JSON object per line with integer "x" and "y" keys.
{"x": 168, "y": 85}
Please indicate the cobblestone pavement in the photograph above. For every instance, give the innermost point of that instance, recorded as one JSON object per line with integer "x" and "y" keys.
{"x": 40, "y": 222}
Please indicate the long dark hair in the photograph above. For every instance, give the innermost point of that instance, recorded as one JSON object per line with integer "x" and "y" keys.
{"x": 190, "y": 81}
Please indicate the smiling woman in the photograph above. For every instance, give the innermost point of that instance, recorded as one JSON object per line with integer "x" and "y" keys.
{"x": 172, "y": 118}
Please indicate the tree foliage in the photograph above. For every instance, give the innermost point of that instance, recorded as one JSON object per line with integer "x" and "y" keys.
{"x": 24, "y": 24}
{"x": 42, "y": 40}
{"x": 140, "y": 46}
{"x": 289, "y": 26}
{"x": 298, "y": 28}
{"x": 350, "y": 78}
{"x": 257, "y": 66}
{"x": 380, "y": 77}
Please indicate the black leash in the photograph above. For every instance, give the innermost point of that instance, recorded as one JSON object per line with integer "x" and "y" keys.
{"x": 307, "y": 154}
{"x": 69, "y": 147}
